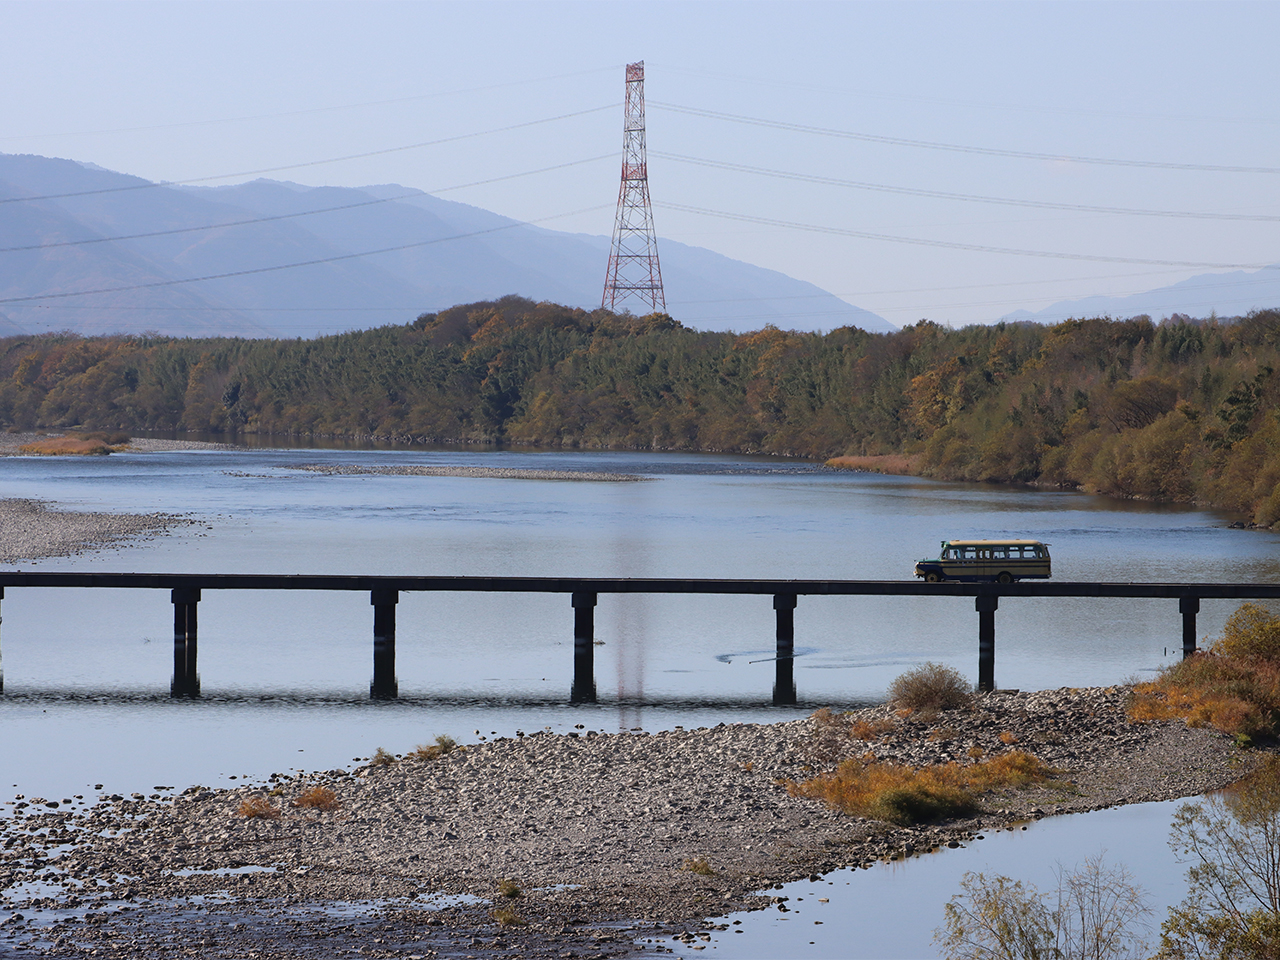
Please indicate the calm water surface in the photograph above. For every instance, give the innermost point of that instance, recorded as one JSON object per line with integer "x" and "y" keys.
{"x": 285, "y": 676}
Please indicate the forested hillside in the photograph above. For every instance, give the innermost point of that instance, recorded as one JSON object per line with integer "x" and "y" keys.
{"x": 1185, "y": 410}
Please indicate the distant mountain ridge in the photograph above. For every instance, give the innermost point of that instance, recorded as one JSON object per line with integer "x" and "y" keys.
{"x": 1227, "y": 294}
{"x": 122, "y": 232}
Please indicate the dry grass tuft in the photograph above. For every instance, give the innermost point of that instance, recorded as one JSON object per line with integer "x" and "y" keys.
{"x": 898, "y": 464}
{"x": 700, "y": 866}
{"x": 443, "y": 745}
{"x": 1233, "y": 687}
{"x": 258, "y": 808}
{"x": 905, "y": 795}
{"x": 870, "y": 730}
{"x": 976, "y": 753}
{"x": 1008, "y": 737}
{"x": 317, "y": 798}
{"x": 509, "y": 889}
{"x": 508, "y": 916}
{"x": 68, "y": 446}
{"x": 381, "y": 758}
{"x": 930, "y": 687}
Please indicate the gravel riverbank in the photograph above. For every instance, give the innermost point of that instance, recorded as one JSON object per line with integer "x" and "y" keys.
{"x": 499, "y": 473}
{"x": 32, "y": 530}
{"x": 605, "y": 839}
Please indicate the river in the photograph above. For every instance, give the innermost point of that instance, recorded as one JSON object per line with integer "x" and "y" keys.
{"x": 285, "y": 677}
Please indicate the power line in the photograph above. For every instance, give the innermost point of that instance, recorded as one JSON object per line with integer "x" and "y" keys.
{"x": 312, "y": 110}
{"x": 303, "y": 213}
{"x": 1037, "y": 108}
{"x": 954, "y": 245}
{"x": 967, "y": 197}
{"x": 291, "y": 266}
{"x": 149, "y": 185}
{"x": 955, "y": 147}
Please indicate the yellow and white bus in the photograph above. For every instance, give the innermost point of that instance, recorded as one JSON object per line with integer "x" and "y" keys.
{"x": 1002, "y": 561}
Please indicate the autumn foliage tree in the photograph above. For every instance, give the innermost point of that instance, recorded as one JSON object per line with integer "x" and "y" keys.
{"x": 1180, "y": 410}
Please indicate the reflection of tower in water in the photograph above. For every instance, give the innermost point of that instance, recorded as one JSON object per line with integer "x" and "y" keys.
{"x": 630, "y": 655}
{"x": 631, "y": 624}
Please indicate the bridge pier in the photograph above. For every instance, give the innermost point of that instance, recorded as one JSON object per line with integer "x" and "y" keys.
{"x": 584, "y": 649}
{"x": 186, "y": 679}
{"x": 1188, "y": 607}
{"x": 384, "y": 685}
{"x": 784, "y": 682}
{"x": 986, "y": 605}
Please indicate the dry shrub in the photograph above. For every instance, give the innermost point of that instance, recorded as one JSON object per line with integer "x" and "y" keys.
{"x": 317, "y": 798}
{"x": 1234, "y": 687}
{"x": 381, "y": 758}
{"x": 1250, "y": 633}
{"x": 905, "y": 795}
{"x": 257, "y": 808}
{"x": 930, "y": 686}
{"x": 700, "y": 866}
{"x": 976, "y": 753}
{"x": 67, "y": 446}
{"x": 1008, "y": 737}
{"x": 509, "y": 889}
{"x": 444, "y": 744}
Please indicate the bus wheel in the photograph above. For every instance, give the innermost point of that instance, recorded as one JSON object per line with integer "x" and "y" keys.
{"x": 1005, "y": 577}
{"x": 933, "y": 578}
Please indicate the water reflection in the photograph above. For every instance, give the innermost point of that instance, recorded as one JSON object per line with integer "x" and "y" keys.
{"x": 891, "y": 910}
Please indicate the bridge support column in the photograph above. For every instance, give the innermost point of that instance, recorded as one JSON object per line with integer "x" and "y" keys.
{"x": 186, "y": 679}
{"x": 1188, "y": 607}
{"x": 384, "y": 685}
{"x": 584, "y": 649}
{"x": 784, "y": 680}
{"x": 986, "y": 605}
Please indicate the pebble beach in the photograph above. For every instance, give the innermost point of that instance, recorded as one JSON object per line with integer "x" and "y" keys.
{"x": 544, "y": 845}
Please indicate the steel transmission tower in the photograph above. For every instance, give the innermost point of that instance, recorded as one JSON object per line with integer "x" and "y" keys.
{"x": 633, "y": 257}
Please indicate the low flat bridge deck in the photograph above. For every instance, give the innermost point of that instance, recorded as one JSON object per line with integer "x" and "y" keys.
{"x": 384, "y": 594}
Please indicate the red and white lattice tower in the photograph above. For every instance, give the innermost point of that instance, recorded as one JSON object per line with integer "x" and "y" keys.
{"x": 633, "y": 257}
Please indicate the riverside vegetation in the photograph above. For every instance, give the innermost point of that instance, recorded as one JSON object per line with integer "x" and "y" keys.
{"x": 1184, "y": 410}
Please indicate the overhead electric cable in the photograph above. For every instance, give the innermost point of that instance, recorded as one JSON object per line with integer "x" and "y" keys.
{"x": 304, "y": 263}
{"x": 955, "y": 245}
{"x": 149, "y": 185}
{"x": 522, "y": 82}
{"x": 302, "y": 213}
{"x": 966, "y": 197}
{"x": 1039, "y": 109}
{"x": 955, "y": 147}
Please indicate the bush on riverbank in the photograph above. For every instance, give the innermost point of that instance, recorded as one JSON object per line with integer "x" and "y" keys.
{"x": 931, "y": 686}
{"x": 905, "y": 795}
{"x": 1234, "y": 686}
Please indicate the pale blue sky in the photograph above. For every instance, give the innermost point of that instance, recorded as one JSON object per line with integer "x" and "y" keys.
{"x": 177, "y": 91}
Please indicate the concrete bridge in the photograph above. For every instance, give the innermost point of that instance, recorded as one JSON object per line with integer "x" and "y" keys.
{"x": 384, "y": 593}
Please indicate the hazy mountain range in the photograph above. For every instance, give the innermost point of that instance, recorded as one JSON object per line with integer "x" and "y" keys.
{"x": 90, "y": 229}
{"x": 1227, "y": 294}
